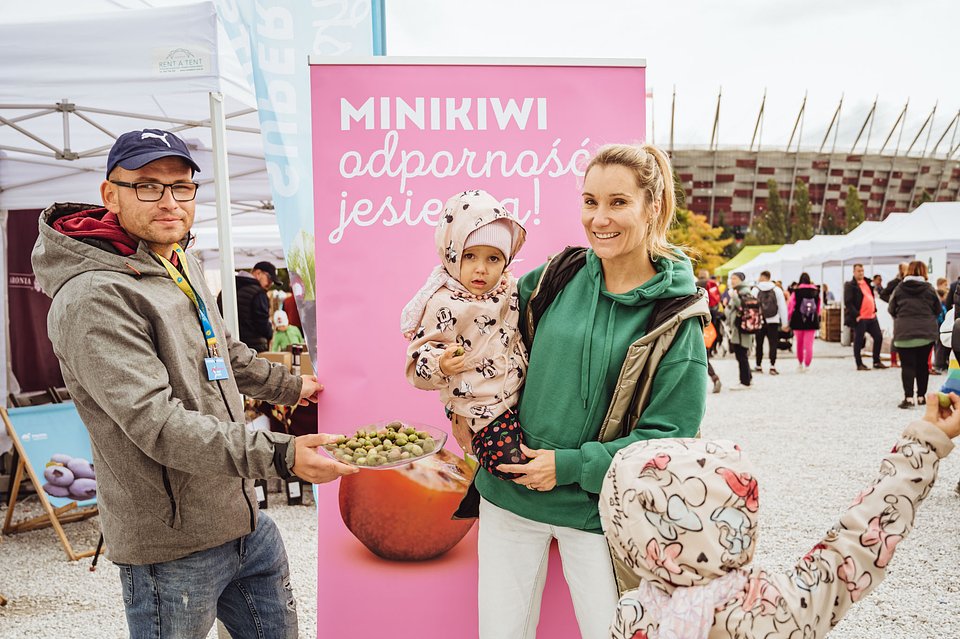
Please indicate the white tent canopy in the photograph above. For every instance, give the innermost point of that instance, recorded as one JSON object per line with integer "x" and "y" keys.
{"x": 877, "y": 245}
{"x": 70, "y": 84}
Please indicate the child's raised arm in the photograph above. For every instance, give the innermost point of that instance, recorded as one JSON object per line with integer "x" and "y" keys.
{"x": 852, "y": 559}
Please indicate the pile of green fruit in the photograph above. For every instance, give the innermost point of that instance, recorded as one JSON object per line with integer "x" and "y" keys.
{"x": 395, "y": 442}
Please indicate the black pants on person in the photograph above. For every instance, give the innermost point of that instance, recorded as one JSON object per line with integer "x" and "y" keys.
{"x": 771, "y": 334}
{"x": 742, "y": 354}
{"x": 864, "y": 327}
{"x": 913, "y": 366}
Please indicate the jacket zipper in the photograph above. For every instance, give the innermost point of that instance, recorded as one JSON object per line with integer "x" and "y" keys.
{"x": 169, "y": 489}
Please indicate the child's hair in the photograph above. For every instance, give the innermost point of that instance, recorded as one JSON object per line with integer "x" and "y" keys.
{"x": 654, "y": 175}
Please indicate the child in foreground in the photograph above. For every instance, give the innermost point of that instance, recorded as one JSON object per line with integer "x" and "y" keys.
{"x": 683, "y": 515}
{"x": 463, "y": 326}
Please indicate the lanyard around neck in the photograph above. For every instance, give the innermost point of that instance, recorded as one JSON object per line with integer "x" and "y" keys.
{"x": 182, "y": 280}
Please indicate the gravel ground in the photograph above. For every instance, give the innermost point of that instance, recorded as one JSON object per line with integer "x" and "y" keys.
{"x": 815, "y": 439}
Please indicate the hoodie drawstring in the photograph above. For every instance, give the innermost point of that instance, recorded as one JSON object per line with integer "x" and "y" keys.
{"x": 588, "y": 344}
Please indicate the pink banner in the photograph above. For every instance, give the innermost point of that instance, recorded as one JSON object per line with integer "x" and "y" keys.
{"x": 391, "y": 143}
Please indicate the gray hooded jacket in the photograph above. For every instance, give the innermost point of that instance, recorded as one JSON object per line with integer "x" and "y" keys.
{"x": 172, "y": 455}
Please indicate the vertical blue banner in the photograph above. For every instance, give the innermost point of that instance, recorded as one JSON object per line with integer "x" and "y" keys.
{"x": 273, "y": 40}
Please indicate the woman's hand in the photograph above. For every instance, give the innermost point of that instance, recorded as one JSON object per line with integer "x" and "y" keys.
{"x": 451, "y": 361}
{"x": 946, "y": 419}
{"x": 462, "y": 433}
{"x": 540, "y": 473}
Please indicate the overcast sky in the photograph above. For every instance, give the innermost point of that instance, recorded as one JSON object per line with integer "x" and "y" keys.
{"x": 896, "y": 49}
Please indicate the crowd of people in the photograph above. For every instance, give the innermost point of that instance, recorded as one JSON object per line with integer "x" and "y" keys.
{"x": 599, "y": 470}
{"x": 762, "y": 317}
{"x": 766, "y": 316}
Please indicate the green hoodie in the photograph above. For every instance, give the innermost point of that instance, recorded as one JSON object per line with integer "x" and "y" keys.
{"x": 581, "y": 342}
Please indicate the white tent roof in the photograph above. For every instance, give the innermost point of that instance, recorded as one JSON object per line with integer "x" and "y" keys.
{"x": 934, "y": 225}
{"x": 855, "y": 246}
{"x": 69, "y": 84}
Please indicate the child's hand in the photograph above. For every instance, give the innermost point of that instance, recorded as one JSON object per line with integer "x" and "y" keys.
{"x": 452, "y": 361}
{"x": 946, "y": 419}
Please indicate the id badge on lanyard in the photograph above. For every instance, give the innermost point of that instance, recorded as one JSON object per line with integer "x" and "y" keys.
{"x": 216, "y": 366}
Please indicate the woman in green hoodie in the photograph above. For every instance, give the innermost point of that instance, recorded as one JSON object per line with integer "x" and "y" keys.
{"x": 581, "y": 343}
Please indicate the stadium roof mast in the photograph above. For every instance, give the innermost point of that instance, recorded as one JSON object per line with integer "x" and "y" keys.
{"x": 715, "y": 147}
{"x": 871, "y": 115}
{"x": 902, "y": 121}
{"x": 954, "y": 124}
{"x": 796, "y": 155}
{"x": 673, "y": 111}
{"x": 923, "y": 154}
{"x": 758, "y": 127}
{"x": 826, "y": 182}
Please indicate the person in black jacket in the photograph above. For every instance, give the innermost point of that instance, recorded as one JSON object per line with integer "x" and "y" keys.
{"x": 914, "y": 306}
{"x": 253, "y": 306}
{"x": 860, "y": 314}
{"x": 894, "y": 283}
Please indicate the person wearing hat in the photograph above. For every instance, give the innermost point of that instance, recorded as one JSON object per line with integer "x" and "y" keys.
{"x": 253, "y": 305}
{"x": 463, "y": 326}
{"x": 285, "y": 334}
{"x": 158, "y": 382}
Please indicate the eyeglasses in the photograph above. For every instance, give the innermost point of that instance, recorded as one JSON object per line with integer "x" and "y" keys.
{"x": 153, "y": 191}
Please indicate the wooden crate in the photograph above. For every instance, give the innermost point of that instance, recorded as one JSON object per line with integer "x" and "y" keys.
{"x": 830, "y": 324}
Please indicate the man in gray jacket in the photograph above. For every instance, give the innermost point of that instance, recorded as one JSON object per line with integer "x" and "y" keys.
{"x": 157, "y": 380}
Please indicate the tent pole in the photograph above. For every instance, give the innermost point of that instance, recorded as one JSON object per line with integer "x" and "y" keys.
{"x": 221, "y": 183}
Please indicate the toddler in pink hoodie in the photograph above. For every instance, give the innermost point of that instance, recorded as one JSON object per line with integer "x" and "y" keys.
{"x": 463, "y": 326}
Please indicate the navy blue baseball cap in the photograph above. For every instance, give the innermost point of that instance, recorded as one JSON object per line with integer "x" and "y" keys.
{"x": 137, "y": 148}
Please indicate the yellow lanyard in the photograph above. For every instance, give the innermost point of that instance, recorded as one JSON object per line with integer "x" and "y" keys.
{"x": 183, "y": 283}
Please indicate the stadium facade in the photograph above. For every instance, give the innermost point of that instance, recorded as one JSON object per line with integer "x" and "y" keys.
{"x": 729, "y": 186}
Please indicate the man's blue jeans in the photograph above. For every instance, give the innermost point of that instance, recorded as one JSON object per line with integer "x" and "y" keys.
{"x": 245, "y": 583}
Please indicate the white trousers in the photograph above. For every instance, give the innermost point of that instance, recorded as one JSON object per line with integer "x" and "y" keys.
{"x": 513, "y": 554}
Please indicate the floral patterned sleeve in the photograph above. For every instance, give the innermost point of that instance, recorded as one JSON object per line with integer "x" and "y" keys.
{"x": 852, "y": 558}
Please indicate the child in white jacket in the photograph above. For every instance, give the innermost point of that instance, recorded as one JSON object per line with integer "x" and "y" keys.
{"x": 464, "y": 326}
{"x": 682, "y": 514}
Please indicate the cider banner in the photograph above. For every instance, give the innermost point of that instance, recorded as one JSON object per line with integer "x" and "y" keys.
{"x": 393, "y": 139}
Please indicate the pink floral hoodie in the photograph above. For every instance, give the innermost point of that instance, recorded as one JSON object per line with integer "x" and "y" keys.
{"x": 445, "y": 313}
{"x": 683, "y": 513}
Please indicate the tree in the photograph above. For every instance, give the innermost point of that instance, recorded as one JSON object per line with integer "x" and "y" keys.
{"x": 700, "y": 241}
{"x": 853, "y": 209}
{"x": 727, "y": 233}
{"x": 802, "y": 218}
{"x": 772, "y": 226}
{"x": 925, "y": 196}
{"x": 830, "y": 226}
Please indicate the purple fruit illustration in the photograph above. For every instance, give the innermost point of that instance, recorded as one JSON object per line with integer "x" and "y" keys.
{"x": 56, "y": 491}
{"x": 82, "y": 469}
{"x": 58, "y": 475}
{"x": 83, "y": 489}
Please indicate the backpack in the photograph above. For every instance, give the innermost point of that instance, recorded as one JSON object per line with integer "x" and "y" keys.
{"x": 808, "y": 310}
{"x": 749, "y": 317}
{"x": 768, "y": 303}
